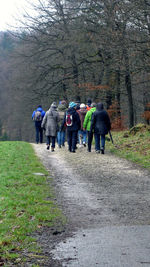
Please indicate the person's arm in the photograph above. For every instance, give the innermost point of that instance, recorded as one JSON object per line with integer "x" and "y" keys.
{"x": 93, "y": 122}
{"x": 33, "y": 114}
{"x": 43, "y": 113}
{"x": 108, "y": 123}
{"x": 58, "y": 117}
{"x": 79, "y": 121}
{"x": 57, "y": 122}
{"x": 86, "y": 119}
{"x": 63, "y": 123}
{"x": 44, "y": 121}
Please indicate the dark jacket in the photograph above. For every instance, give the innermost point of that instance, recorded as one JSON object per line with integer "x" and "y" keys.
{"x": 100, "y": 120}
{"x": 76, "y": 120}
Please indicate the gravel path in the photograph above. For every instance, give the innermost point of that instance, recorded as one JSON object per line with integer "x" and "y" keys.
{"x": 97, "y": 192}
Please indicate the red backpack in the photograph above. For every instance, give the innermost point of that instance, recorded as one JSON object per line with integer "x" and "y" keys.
{"x": 69, "y": 119}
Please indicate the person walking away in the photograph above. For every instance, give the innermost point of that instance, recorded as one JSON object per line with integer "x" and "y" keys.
{"x": 50, "y": 123}
{"x": 72, "y": 122}
{"x": 87, "y": 125}
{"x": 101, "y": 125}
{"x": 61, "y": 134}
{"x": 37, "y": 117}
{"x": 82, "y": 133}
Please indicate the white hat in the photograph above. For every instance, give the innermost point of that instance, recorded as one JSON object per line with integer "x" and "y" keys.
{"x": 82, "y": 105}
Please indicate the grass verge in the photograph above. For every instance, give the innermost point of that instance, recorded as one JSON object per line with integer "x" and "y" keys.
{"x": 133, "y": 145}
{"x": 26, "y": 201}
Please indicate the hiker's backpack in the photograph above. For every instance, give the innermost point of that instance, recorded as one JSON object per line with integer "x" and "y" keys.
{"x": 88, "y": 108}
{"x": 69, "y": 119}
{"x": 38, "y": 116}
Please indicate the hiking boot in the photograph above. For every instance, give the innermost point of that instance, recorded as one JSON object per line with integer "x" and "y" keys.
{"x": 102, "y": 151}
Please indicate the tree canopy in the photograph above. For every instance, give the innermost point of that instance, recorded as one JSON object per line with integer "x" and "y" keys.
{"x": 75, "y": 50}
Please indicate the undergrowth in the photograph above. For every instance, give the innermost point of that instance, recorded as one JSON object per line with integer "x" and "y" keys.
{"x": 133, "y": 144}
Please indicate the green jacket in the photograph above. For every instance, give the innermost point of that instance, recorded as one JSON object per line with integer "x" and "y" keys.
{"x": 88, "y": 118}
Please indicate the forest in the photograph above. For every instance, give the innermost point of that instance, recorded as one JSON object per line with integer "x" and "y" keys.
{"x": 75, "y": 50}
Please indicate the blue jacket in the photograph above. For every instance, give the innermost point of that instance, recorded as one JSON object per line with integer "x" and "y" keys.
{"x": 76, "y": 120}
{"x": 38, "y": 109}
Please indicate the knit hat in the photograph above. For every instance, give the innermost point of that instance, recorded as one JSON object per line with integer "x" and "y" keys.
{"x": 82, "y": 106}
{"x": 72, "y": 105}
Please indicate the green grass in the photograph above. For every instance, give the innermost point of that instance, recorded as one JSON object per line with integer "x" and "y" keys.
{"x": 132, "y": 145}
{"x": 26, "y": 200}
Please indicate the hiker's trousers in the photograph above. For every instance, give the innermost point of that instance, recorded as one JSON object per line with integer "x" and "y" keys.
{"x": 61, "y": 138}
{"x": 51, "y": 139}
{"x": 39, "y": 132}
{"x": 72, "y": 139}
{"x": 99, "y": 141}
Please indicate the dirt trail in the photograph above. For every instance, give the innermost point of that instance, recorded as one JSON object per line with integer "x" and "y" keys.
{"x": 95, "y": 192}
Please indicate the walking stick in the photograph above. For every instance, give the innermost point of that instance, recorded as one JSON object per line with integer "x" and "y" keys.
{"x": 111, "y": 137}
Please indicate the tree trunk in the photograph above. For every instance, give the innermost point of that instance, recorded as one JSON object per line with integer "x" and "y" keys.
{"x": 129, "y": 89}
{"x": 118, "y": 93}
{"x": 75, "y": 75}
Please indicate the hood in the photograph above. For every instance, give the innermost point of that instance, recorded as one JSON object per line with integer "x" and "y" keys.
{"x": 53, "y": 108}
{"x": 71, "y": 110}
{"x": 61, "y": 107}
{"x": 99, "y": 106}
{"x": 54, "y": 105}
{"x": 39, "y": 109}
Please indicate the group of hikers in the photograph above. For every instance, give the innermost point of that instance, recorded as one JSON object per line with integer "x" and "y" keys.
{"x": 81, "y": 122}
